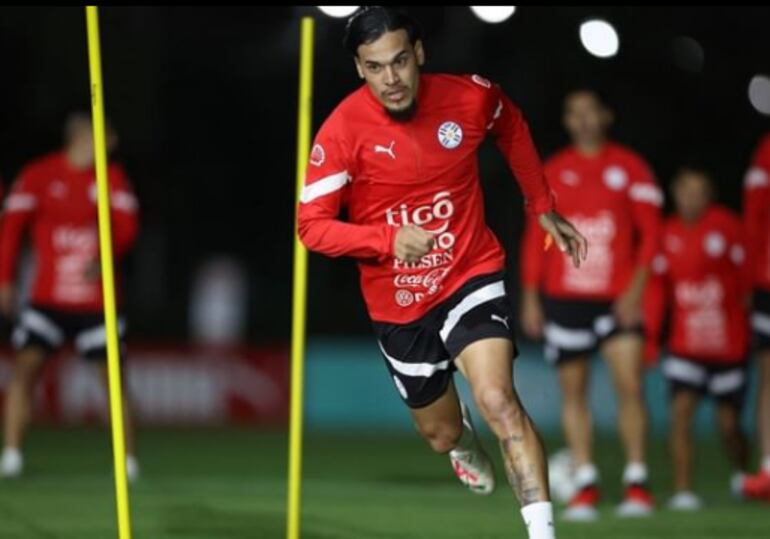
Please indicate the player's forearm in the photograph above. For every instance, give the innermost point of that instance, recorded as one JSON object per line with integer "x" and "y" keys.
{"x": 124, "y": 233}
{"x": 639, "y": 280}
{"x": 335, "y": 238}
{"x": 10, "y": 241}
{"x": 515, "y": 142}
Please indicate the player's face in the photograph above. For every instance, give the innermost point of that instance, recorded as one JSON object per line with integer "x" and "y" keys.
{"x": 391, "y": 67}
{"x": 81, "y": 140}
{"x": 586, "y": 118}
{"x": 692, "y": 195}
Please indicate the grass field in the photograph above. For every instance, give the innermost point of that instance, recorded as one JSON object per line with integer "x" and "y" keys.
{"x": 212, "y": 484}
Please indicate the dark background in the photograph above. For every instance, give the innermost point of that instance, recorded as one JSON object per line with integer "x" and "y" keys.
{"x": 204, "y": 102}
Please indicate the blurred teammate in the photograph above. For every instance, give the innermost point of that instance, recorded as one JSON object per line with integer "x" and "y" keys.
{"x": 609, "y": 193}
{"x": 757, "y": 217}
{"x": 401, "y": 153}
{"x": 702, "y": 281}
{"x": 54, "y": 199}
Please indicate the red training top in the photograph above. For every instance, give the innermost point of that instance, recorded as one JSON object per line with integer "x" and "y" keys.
{"x": 613, "y": 200}
{"x": 703, "y": 278}
{"x": 423, "y": 172}
{"x": 58, "y": 203}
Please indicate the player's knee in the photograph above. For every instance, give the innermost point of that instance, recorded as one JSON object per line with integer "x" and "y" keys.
{"x": 630, "y": 390}
{"x": 441, "y": 435}
{"x": 499, "y": 405}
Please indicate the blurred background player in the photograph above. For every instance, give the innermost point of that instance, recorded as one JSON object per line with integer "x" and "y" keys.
{"x": 609, "y": 193}
{"x": 701, "y": 286}
{"x": 402, "y": 152}
{"x": 756, "y": 207}
{"x": 54, "y": 198}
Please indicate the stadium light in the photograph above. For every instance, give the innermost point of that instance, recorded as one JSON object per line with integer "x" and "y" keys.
{"x": 338, "y": 11}
{"x": 759, "y": 93}
{"x": 599, "y": 38}
{"x": 493, "y": 14}
{"x": 688, "y": 54}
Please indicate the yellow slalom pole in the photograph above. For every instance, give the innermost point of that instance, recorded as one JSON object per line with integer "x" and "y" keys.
{"x": 108, "y": 278}
{"x": 299, "y": 303}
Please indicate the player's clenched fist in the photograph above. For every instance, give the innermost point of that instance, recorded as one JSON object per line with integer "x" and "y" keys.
{"x": 412, "y": 242}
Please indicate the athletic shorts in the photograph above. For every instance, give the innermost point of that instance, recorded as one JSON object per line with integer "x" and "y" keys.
{"x": 760, "y": 319}
{"x": 420, "y": 355}
{"x": 726, "y": 382}
{"x": 49, "y": 328}
{"x": 577, "y": 328}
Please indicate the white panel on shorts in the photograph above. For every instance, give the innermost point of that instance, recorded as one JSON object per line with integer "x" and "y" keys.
{"x": 414, "y": 369}
{"x": 470, "y": 302}
{"x": 681, "y": 370}
{"x": 604, "y": 325}
{"x": 36, "y": 322}
{"x": 568, "y": 339}
{"x": 96, "y": 337}
{"x": 726, "y": 382}
{"x": 761, "y": 323}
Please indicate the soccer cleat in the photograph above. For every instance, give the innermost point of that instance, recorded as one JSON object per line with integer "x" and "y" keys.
{"x": 755, "y": 487}
{"x": 472, "y": 465}
{"x": 582, "y": 506}
{"x": 132, "y": 468}
{"x": 12, "y": 463}
{"x": 685, "y": 501}
{"x": 637, "y": 502}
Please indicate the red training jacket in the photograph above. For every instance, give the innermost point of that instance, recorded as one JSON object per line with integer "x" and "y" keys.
{"x": 423, "y": 172}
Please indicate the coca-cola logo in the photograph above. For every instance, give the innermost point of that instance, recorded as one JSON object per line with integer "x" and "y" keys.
{"x": 431, "y": 281}
{"x": 433, "y": 217}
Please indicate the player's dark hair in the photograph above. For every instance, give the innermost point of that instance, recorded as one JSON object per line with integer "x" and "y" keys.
{"x": 369, "y": 23}
{"x": 599, "y": 95}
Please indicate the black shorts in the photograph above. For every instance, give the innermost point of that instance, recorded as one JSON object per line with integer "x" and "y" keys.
{"x": 420, "y": 355}
{"x": 760, "y": 319}
{"x": 49, "y": 328}
{"x": 726, "y": 382}
{"x": 577, "y": 328}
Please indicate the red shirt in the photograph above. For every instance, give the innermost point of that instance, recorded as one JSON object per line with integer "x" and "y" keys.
{"x": 702, "y": 278}
{"x": 58, "y": 203}
{"x": 613, "y": 200}
{"x": 423, "y": 172}
{"x": 756, "y": 207}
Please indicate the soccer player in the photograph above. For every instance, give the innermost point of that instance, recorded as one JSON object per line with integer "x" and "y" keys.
{"x": 609, "y": 193}
{"x": 756, "y": 208}
{"x": 401, "y": 153}
{"x": 702, "y": 277}
{"x": 54, "y": 198}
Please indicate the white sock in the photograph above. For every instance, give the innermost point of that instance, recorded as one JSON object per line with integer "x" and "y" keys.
{"x": 586, "y": 475}
{"x": 11, "y": 453}
{"x": 538, "y": 517}
{"x": 766, "y": 463}
{"x": 635, "y": 473}
{"x": 736, "y": 483}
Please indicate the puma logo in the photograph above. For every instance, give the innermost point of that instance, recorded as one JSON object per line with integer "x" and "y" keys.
{"x": 503, "y": 321}
{"x": 386, "y": 149}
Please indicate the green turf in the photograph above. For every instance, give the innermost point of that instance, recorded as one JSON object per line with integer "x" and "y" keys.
{"x": 212, "y": 484}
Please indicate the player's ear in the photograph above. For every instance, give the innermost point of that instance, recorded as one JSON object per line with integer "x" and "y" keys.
{"x": 359, "y": 69}
{"x": 419, "y": 52}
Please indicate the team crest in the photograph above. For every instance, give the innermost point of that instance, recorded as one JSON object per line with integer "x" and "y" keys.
{"x": 450, "y": 135}
{"x": 318, "y": 155}
{"x": 714, "y": 244}
{"x": 615, "y": 178}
